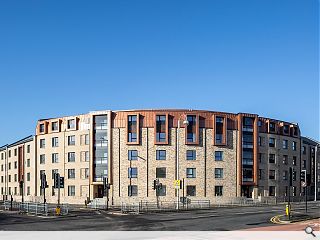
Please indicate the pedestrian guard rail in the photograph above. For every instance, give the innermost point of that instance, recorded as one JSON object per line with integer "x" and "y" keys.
{"x": 35, "y": 208}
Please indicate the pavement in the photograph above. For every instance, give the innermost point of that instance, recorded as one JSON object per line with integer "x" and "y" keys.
{"x": 216, "y": 219}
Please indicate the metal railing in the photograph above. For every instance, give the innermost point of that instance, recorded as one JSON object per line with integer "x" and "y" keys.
{"x": 35, "y": 208}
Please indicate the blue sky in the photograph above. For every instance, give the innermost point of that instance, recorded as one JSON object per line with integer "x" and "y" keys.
{"x": 67, "y": 57}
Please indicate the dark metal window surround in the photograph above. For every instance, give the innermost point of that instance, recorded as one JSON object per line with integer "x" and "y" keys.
{"x": 161, "y": 172}
{"x": 161, "y": 128}
{"x": 219, "y": 130}
{"x": 132, "y": 155}
{"x": 192, "y": 129}
{"x": 218, "y": 155}
{"x": 132, "y": 129}
{"x": 191, "y": 155}
{"x": 132, "y": 172}
{"x": 132, "y": 190}
{"x": 191, "y": 191}
{"x": 161, "y": 155}
{"x": 218, "y": 190}
{"x": 191, "y": 172}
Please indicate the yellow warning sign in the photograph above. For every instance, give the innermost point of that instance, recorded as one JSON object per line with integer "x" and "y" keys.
{"x": 177, "y": 183}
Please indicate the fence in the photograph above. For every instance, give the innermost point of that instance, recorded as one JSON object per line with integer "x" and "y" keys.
{"x": 35, "y": 208}
{"x": 146, "y": 206}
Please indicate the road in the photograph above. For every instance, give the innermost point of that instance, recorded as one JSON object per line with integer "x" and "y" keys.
{"x": 217, "y": 219}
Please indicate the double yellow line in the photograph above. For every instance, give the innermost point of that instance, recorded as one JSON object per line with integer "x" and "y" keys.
{"x": 276, "y": 220}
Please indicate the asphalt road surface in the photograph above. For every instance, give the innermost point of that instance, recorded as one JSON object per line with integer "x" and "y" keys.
{"x": 217, "y": 219}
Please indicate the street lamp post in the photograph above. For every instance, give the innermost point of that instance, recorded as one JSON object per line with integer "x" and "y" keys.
{"x": 186, "y": 123}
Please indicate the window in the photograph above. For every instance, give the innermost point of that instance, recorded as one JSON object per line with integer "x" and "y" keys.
{"x": 132, "y": 190}
{"x": 260, "y": 174}
{"x": 218, "y": 172}
{"x": 86, "y": 139}
{"x": 161, "y": 154}
{"x": 132, "y": 129}
{"x": 55, "y": 158}
{"x": 28, "y": 148}
{"x": 28, "y": 162}
{"x": 272, "y": 127}
{"x": 54, "y": 172}
{"x": 71, "y": 173}
{"x": 42, "y": 159}
{"x": 54, "y": 126}
{"x": 285, "y": 159}
{"x": 272, "y": 191}
{"x": 15, "y": 190}
{"x": 192, "y": 129}
{"x": 15, "y": 165}
{"x": 86, "y": 173}
{"x": 41, "y": 128}
{"x": 272, "y": 158}
{"x": 272, "y": 142}
{"x": 219, "y": 130}
{"x": 294, "y": 175}
{"x": 132, "y": 172}
{"x": 285, "y": 175}
{"x": 259, "y": 123}
{"x": 286, "y": 129}
{"x": 304, "y": 164}
{"x": 9, "y": 178}
{"x": 294, "y": 146}
{"x": 71, "y": 140}
{"x": 294, "y": 161}
{"x": 85, "y": 156}
{"x": 161, "y": 128}
{"x": 272, "y": 174}
{"x": 162, "y": 191}
{"x": 9, "y": 153}
{"x": 285, "y": 144}
{"x": 28, "y": 177}
{"x": 191, "y": 155}
{"x": 218, "y": 155}
{"x": 1, "y": 179}
{"x": 71, "y": 124}
{"x": 2, "y": 168}
{"x": 161, "y": 172}
{"x": 55, "y": 142}
{"x": 71, "y": 156}
{"x": 191, "y": 191}
{"x": 133, "y": 155}
{"x": 304, "y": 150}
{"x": 260, "y": 157}
{"x": 218, "y": 190}
{"x": 260, "y": 140}
{"x": 191, "y": 173}
{"x": 16, "y": 177}
{"x": 294, "y": 191}
{"x": 9, "y": 166}
{"x": 42, "y": 143}
{"x": 71, "y": 190}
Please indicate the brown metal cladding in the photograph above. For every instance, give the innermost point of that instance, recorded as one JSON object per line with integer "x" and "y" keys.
{"x": 224, "y": 133}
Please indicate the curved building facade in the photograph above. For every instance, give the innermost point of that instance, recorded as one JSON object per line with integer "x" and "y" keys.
{"x": 195, "y": 154}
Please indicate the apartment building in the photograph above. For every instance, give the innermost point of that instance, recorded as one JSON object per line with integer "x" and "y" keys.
{"x": 216, "y": 155}
{"x": 18, "y": 169}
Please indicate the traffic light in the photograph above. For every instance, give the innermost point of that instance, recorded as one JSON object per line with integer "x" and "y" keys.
{"x": 308, "y": 179}
{"x": 303, "y": 177}
{"x": 61, "y": 182}
{"x": 56, "y": 180}
{"x": 44, "y": 181}
{"x": 154, "y": 185}
{"x": 290, "y": 176}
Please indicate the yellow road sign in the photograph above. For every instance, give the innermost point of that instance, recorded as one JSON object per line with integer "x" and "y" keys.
{"x": 177, "y": 183}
